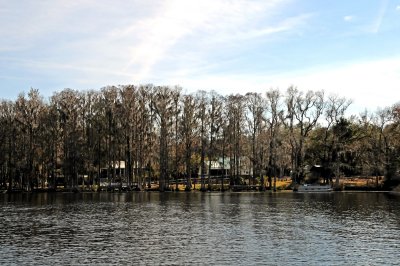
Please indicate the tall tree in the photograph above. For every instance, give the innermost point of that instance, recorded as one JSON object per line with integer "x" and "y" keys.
{"x": 189, "y": 124}
{"x": 163, "y": 107}
{"x": 28, "y": 111}
{"x": 110, "y": 98}
{"x": 202, "y": 107}
{"x": 303, "y": 112}
{"x": 323, "y": 142}
{"x": 215, "y": 114}
{"x": 235, "y": 116}
{"x": 51, "y": 136}
{"x": 130, "y": 111}
{"x": 69, "y": 105}
{"x": 384, "y": 152}
{"x": 177, "y": 111}
{"x": 274, "y": 121}
{"x": 255, "y": 122}
{"x": 92, "y": 113}
{"x": 8, "y": 129}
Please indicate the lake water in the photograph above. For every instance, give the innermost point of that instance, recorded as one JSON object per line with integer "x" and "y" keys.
{"x": 200, "y": 228}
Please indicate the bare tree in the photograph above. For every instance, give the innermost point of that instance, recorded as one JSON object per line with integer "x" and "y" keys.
{"x": 161, "y": 132}
{"x": 189, "y": 124}
{"x": 145, "y": 130}
{"x": 163, "y": 107}
{"x": 274, "y": 122}
{"x": 177, "y": 111}
{"x": 255, "y": 121}
{"x": 69, "y": 103}
{"x": 235, "y": 116}
{"x": 334, "y": 112}
{"x": 303, "y": 112}
{"x": 202, "y": 106}
{"x": 8, "y": 129}
{"x": 51, "y": 134}
{"x": 129, "y": 112}
{"x": 215, "y": 114}
{"x": 110, "y": 99}
{"x": 380, "y": 139}
{"x": 148, "y": 93}
{"x": 28, "y": 113}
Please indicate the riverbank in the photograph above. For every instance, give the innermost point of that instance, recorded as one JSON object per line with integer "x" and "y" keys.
{"x": 282, "y": 184}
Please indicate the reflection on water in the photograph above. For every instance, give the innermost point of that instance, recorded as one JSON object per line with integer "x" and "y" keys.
{"x": 200, "y": 228}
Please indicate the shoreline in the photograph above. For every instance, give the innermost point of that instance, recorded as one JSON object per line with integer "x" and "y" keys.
{"x": 350, "y": 184}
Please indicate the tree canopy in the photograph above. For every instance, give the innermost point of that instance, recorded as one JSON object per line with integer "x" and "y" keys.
{"x": 160, "y": 133}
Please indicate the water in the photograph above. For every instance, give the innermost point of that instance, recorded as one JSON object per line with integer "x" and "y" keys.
{"x": 200, "y": 228}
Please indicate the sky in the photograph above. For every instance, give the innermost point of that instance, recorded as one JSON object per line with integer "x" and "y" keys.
{"x": 346, "y": 48}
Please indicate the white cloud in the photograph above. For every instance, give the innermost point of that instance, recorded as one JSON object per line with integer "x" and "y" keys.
{"x": 212, "y": 22}
{"x": 377, "y": 23}
{"x": 44, "y": 65}
{"x": 348, "y": 18}
{"x": 135, "y": 38}
{"x": 398, "y": 7}
{"x": 93, "y": 43}
{"x": 369, "y": 84}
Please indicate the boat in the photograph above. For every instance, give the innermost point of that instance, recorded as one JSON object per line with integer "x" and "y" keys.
{"x": 313, "y": 188}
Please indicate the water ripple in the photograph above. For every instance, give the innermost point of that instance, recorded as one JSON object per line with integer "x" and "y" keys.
{"x": 199, "y": 228}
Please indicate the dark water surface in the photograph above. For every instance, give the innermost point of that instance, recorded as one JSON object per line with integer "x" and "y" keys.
{"x": 200, "y": 228}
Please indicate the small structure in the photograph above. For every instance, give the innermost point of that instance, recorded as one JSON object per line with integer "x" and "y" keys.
{"x": 313, "y": 173}
{"x": 313, "y": 188}
{"x": 116, "y": 169}
{"x": 218, "y": 168}
{"x": 222, "y": 167}
{"x": 116, "y": 174}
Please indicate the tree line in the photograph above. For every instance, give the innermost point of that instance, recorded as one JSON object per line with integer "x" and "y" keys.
{"x": 164, "y": 134}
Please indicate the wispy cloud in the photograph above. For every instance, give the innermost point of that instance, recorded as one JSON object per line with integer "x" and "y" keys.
{"x": 377, "y": 23}
{"x": 123, "y": 39}
{"x": 371, "y": 84}
{"x": 212, "y": 22}
{"x": 348, "y": 18}
{"x": 217, "y": 51}
{"x": 45, "y": 65}
{"x": 238, "y": 45}
{"x": 284, "y": 25}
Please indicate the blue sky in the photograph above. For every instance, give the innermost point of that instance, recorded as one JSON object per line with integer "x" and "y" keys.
{"x": 348, "y": 48}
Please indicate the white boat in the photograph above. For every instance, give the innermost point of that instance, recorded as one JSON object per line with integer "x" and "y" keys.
{"x": 313, "y": 188}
